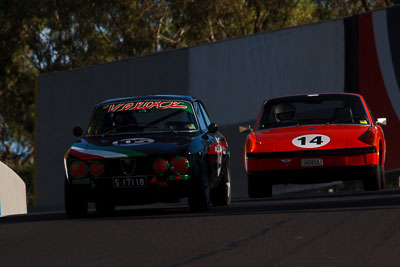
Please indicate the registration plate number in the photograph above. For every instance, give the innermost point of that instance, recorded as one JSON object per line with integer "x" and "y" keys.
{"x": 129, "y": 182}
{"x": 312, "y": 162}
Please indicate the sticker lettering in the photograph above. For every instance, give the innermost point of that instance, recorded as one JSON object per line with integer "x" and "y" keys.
{"x": 146, "y": 105}
{"x": 133, "y": 141}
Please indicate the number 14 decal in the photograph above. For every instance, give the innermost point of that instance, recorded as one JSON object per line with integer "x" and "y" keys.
{"x": 311, "y": 140}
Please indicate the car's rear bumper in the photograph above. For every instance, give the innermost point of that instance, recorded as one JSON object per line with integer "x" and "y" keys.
{"x": 315, "y": 175}
{"x": 292, "y": 160}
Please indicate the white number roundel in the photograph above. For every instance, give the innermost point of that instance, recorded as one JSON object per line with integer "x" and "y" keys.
{"x": 311, "y": 140}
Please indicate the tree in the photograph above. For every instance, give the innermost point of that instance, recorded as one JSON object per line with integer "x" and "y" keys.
{"x": 194, "y": 22}
{"x": 331, "y": 9}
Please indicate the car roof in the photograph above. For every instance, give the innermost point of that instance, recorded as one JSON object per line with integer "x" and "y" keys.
{"x": 310, "y": 95}
{"x": 149, "y": 97}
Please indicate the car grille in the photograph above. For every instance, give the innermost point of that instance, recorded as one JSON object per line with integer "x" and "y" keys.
{"x": 128, "y": 167}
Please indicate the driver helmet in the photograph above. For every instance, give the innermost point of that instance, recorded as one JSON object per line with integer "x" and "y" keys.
{"x": 121, "y": 118}
{"x": 284, "y": 112}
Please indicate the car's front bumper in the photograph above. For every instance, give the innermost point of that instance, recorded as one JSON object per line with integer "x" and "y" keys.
{"x": 164, "y": 189}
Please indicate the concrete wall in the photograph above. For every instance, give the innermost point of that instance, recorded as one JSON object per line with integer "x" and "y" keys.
{"x": 12, "y": 192}
{"x": 233, "y": 77}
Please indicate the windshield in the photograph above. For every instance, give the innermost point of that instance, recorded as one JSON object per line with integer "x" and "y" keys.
{"x": 143, "y": 116}
{"x": 317, "y": 109}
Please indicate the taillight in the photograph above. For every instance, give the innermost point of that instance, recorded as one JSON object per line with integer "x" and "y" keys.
{"x": 96, "y": 168}
{"x": 179, "y": 165}
{"x": 160, "y": 166}
{"x": 369, "y": 137}
{"x": 78, "y": 169}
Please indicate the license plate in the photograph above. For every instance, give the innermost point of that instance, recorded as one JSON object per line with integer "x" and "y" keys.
{"x": 129, "y": 182}
{"x": 312, "y": 162}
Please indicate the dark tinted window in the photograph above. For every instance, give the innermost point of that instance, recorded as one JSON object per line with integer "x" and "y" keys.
{"x": 200, "y": 117}
{"x": 318, "y": 109}
{"x": 205, "y": 114}
{"x": 145, "y": 116}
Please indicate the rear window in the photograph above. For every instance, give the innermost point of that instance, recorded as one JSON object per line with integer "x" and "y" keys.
{"x": 143, "y": 116}
{"x": 318, "y": 109}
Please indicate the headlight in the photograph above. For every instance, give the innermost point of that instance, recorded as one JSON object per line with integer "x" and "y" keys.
{"x": 160, "y": 166}
{"x": 179, "y": 165}
{"x": 96, "y": 168}
{"x": 78, "y": 169}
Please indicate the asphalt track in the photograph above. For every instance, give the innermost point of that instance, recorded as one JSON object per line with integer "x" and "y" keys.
{"x": 340, "y": 229}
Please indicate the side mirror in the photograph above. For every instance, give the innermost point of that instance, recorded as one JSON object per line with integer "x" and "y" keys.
{"x": 382, "y": 121}
{"x": 213, "y": 128}
{"x": 243, "y": 129}
{"x": 77, "y": 131}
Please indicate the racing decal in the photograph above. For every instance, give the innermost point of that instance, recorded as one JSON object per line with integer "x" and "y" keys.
{"x": 145, "y": 105}
{"x": 311, "y": 140}
{"x": 218, "y": 149}
{"x": 78, "y": 169}
{"x": 97, "y": 152}
{"x": 133, "y": 141}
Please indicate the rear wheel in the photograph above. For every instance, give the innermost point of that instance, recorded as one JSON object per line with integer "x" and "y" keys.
{"x": 383, "y": 178}
{"x": 76, "y": 204}
{"x": 221, "y": 195}
{"x": 199, "y": 197}
{"x": 374, "y": 180}
{"x": 258, "y": 186}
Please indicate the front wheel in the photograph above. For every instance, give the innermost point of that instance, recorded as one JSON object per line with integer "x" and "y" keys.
{"x": 76, "y": 204}
{"x": 221, "y": 195}
{"x": 199, "y": 196}
{"x": 373, "y": 181}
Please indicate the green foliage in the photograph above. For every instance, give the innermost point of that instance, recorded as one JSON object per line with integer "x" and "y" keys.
{"x": 331, "y": 9}
{"x": 38, "y": 37}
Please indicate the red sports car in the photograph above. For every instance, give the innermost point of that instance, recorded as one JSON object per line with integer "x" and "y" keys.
{"x": 314, "y": 139}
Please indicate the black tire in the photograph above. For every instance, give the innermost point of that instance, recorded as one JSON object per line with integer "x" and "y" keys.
{"x": 199, "y": 196}
{"x": 373, "y": 181}
{"x": 258, "y": 186}
{"x": 105, "y": 208}
{"x": 383, "y": 177}
{"x": 221, "y": 195}
{"x": 76, "y": 203}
